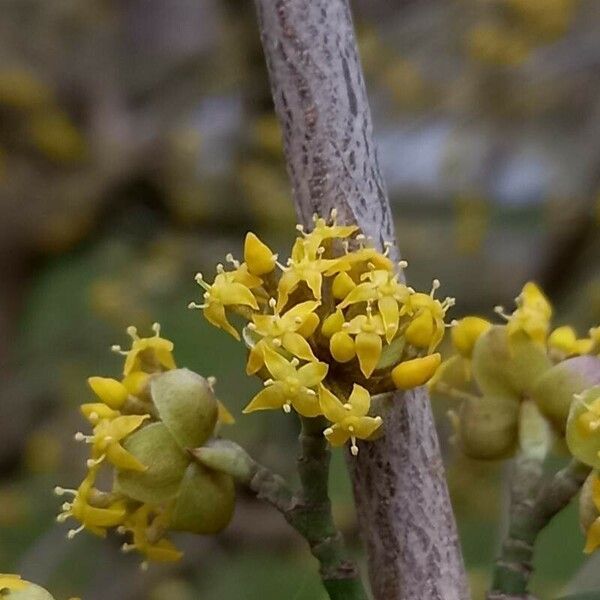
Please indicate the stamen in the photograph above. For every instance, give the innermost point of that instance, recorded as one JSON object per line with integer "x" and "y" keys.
{"x": 118, "y": 350}
{"x": 435, "y": 285}
{"x": 315, "y": 217}
{"x": 269, "y": 381}
{"x": 73, "y": 532}
{"x": 144, "y": 565}
{"x": 156, "y": 329}
{"x": 295, "y": 362}
{"x": 220, "y": 268}
{"x": 353, "y": 447}
{"x": 212, "y": 381}
{"x": 328, "y": 431}
{"x": 348, "y": 406}
{"x": 91, "y": 463}
{"x": 311, "y": 392}
{"x": 499, "y": 310}
{"x": 272, "y": 302}
{"x": 121, "y": 530}
{"x": 229, "y": 258}
{"x": 251, "y": 326}
{"x": 127, "y": 547}
{"x": 276, "y": 342}
{"x": 287, "y": 408}
{"x": 62, "y": 517}
{"x": 132, "y": 333}
{"x": 402, "y": 264}
{"x": 61, "y": 491}
{"x": 300, "y": 228}
{"x": 333, "y": 214}
{"x": 298, "y": 320}
{"x": 195, "y": 306}
{"x": 80, "y": 437}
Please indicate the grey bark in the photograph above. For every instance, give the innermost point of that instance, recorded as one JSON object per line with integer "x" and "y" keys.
{"x": 402, "y": 500}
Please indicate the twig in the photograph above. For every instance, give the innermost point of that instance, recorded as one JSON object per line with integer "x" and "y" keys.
{"x": 309, "y": 512}
{"x": 320, "y": 98}
{"x": 532, "y": 507}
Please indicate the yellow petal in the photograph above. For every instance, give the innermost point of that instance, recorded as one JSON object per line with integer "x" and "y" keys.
{"x": 93, "y": 411}
{"x": 306, "y": 405}
{"x": 112, "y": 392}
{"x": 332, "y": 323}
{"x": 163, "y": 551}
{"x": 120, "y": 458}
{"x": 361, "y": 293}
{"x": 466, "y": 333}
{"x": 368, "y": 349}
{"x": 255, "y": 359}
{"x": 418, "y": 371}
{"x": 278, "y": 366}
{"x": 103, "y": 517}
{"x": 314, "y": 280}
{"x": 331, "y": 406}
{"x": 224, "y": 416}
{"x": 342, "y": 285}
{"x": 269, "y": 398}
{"x": 312, "y": 373}
{"x": 301, "y": 310}
{"x": 336, "y": 436}
{"x": 563, "y": 339}
{"x": 287, "y": 284}
{"x": 309, "y": 325}
{"x": 360, "y": 400}
{"x": 136, "y": 382}
{"x": 295, "y": 344}
{"x": 390, "y": 314}
{"x": 341, "y": 346}
{"x": 365, "y": 427}
{"x": 124, "y": 425}
{"x": 215, "y": 314}
{"x": 237, "y": 293}
{"x": 258, "y": 256}
{"x": 592, "y": 541}
{"x": 421, "y": 330}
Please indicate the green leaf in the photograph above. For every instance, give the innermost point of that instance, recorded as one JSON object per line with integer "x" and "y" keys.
{"x": 154, "y": 447}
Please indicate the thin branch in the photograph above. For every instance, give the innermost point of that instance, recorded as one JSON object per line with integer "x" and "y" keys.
{"x": 533, "y": 505}
{"x": 309, "y": 512}
{"x": 320, "y": 98}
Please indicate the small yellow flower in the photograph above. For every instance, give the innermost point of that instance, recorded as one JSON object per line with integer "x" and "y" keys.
{"x": 147, "y": 354}
{"x": 350, "y": 420}
{"x": 281, "y": 331}
{"x": 148, "y": 537}
{"x": 291, "y": 386}
{"x": 466, "y": 332}
{"x": 367, "y": 331}
{"x": 92, "y": 518}
{"x": 383, "y": 287}
{"x": 418, "y": 371}
{"x": 226, "y": 290}
{"x": 426, "y": 330}
{"x": 112, "y": 392}
{"x": 321, "y": 231}
{"x": 105, "y": 442}
{"x": 532, "y": 315}
{"x": 306, "y": 265}
{"x": 258, "y": 256}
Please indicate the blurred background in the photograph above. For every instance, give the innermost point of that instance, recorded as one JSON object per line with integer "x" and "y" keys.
{"x": 138, "y": 145}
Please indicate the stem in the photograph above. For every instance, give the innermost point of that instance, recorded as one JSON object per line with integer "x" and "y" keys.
{"x": 309, "y": 513}
{"x": 532, "y": 507}
{"x": 402, "y": 500}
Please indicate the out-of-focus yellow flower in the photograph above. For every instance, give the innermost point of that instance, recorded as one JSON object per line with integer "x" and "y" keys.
{"x": 92, "y": 518}
{"x": 415, "y": 372}
{"x": 149, "y": 355}
{"x": 105, "y": 442}
{"x": 148, "y": 537}
{"x": 349, "y": 420}
{"x": 382, "y": 287}
{"x": 564, "y": 339}
{"x": 225, "y": 291}
{"x": 290, "y": 387}
{"x": 281, "y": 331}
{"x": 112, "y": 392}
{"x": 466, "y": 332}
{"x": 427, "y": 327}
{"x": 258, "y": 256}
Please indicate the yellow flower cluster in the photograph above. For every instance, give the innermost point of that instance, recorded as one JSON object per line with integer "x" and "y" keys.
{"x": 496, "y": 367}
{"x": 121, "y": 408}
{"x": 335, "y": 318}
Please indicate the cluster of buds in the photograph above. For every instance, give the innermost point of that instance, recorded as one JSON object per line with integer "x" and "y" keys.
{"x": 496, "y": 368}
{"x": 143, "y": 427}
{"x": 329, "y": 328}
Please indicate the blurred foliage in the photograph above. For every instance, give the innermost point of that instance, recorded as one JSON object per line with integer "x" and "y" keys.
{"x": 137, "y": 141}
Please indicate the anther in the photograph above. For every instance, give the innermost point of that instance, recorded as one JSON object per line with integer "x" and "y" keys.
{"x": 287, "y": 408}
{"x": 156, "y": 329}
{"x": 402, "y": 264}
{"x": 132, "y": 333}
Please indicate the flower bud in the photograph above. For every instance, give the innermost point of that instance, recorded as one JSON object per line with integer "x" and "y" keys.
{"x": 112, "y": 392}
{"x": 186, "y": 405}
{"x": 554, "y": 390}
{"x": 258, "y": 256}
{"x": 506, "y": 365}
{"x": 583, "y": 427}
{"x": 332, "y": 324}
{"x": 342, "y": 347}
{"x": 488, "y": 427}
{"x": 421, "y": 330}
{"x": 154, "y": 447}
{"x": 466, "y": 332}
{"x": 342, "y": 285}
{"x": 206, "y": 501}
{"x": 418, "y": 371}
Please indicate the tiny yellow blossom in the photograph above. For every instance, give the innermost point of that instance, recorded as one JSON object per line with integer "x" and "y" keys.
{"x": 226, "y": 290}
{"x": 383, "y": 287}
{"x": 350, "y": 420}
{"x": 92, "y": 518}
{"x": 321, "y": 231}
{"x": 147, "y": 354}
{"x": 426, "y": 330}
{"x": 258, "y": 256}
{"x": 418, "y": 371}
{"x": 105, "y": 442}
{"x": 367, "y": 331}
{"x": 147, "y": 536}
{"x": 291, "y": 386}
{"x": 466, "y": 332}
{"x": 306, "y": 265}
{"x": 281, "y": 331}
{"x": 112, "y": 392}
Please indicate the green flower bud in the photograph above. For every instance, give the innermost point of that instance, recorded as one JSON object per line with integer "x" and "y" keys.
{"x": 488, "y": 427}
{"x": 154, "y": 447}
{"x": 206, "y": 501}
{"x": 186, "y": 405}
{"x": 508, "y": 366}
{"x": 554, "y": 390}
{"x": 583, "y": 427}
